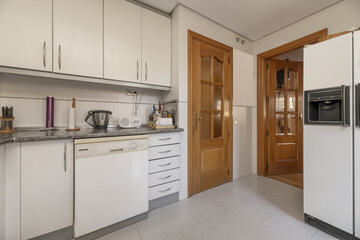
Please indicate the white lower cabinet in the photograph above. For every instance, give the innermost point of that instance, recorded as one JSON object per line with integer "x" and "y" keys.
{"x": 46, "y": 187}
{"x": 164, "y": 167}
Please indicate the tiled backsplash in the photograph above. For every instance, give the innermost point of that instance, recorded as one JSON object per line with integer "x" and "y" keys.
{"x": 27, "y": 95}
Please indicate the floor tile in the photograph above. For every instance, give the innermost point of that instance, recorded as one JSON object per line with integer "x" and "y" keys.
{"x": 285, "y": 227}
{"x": 322, "y": 236}
{"x": 205, "y": 205}
{"x": 128, "y": 233}
{"x": 182, "y": 214}
{"x": 175, "y": 237}
{"x": 254, "y": 235}
{"x": 230, "y": 225}
{"x": 202, "y": 231}
{"x": 255, "y": 210}
{"x": 156, "y": 227}
{"x": 225, "y": 198}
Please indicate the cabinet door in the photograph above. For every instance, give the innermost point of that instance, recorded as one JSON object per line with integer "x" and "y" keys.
{"x": 26, "y": 34}
{"x": 156, "y": 48}
{"x": 78, "y": 37}
{"x": 122, "y": 40}
{"x": 46, "y": 187}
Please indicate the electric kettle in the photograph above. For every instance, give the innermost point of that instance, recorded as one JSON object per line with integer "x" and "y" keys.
{"x": 100, "y": 118}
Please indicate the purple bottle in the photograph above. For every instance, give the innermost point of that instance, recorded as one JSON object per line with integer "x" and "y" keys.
{"x": 49, "y": 112}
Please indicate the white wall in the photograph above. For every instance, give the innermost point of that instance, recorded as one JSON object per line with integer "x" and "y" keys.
{"x": 340, "y": 17}
{"x": 184, "y": 19}
{"x": 27, "y": 95}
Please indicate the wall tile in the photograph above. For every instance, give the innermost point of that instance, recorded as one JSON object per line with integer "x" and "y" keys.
{"x": 22, "y": 110}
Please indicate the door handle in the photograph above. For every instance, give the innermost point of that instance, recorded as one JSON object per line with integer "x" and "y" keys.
{"x": 59, "y": 57}
{"x": 196, "y": 120}
{"x": 44, "y": 54}
{"x": 161, "y": 191}
{"x": 65, "y": 150}
{"x": 120, "y": 149}
{"x": 165, "y": 151}
{"x": 146, "y": 71}
{"x": 137, "y": 70}
{"x": 300, "y": 119}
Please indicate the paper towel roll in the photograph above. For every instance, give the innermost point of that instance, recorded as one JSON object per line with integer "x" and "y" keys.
{"x": 72, "y": 118}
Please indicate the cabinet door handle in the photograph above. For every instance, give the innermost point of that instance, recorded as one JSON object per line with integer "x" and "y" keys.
{"x": 59, "y": 57}
{"x": 120, "y": 149}
{"x": 146, "y": 71}
{"x": 65, "y": 150}
{"x": 44, "y": 54}
{"x": 161, "y": 191}
{"x": 164, "y": 165}
{"x": 165, "y": 151}
{"x": 165, "y": 139}
{"x": 137, "y": 70}
{"x": 161, "y": 178}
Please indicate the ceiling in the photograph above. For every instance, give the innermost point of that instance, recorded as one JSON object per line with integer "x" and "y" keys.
{"x": 252, "y": 19}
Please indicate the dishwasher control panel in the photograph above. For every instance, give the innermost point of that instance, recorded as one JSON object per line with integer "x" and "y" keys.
{"x": 107, "y": 146}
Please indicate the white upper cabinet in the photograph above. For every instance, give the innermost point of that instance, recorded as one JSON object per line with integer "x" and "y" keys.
{"x": 46, "y": 187}
{"x": 122, "y": 41}
{"x": 26, "y": 34}
{"x": 156, "y": 48}
{"x": 243, "y": 79}
{"x": 78, "y": 37}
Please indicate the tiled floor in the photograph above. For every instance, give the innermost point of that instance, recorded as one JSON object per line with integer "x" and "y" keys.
{"x": 249, "y": 208}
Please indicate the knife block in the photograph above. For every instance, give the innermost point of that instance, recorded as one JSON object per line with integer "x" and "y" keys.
{"x": 7, "y": 125}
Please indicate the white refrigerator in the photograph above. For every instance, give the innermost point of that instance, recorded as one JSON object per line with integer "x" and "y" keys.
{"x": 331, "y": 135}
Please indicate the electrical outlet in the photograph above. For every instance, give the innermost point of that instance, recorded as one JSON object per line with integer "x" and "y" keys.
{"x": 130, "y": 93}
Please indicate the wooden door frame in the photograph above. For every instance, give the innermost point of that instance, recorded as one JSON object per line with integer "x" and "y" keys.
{"x": 191, "y": 36}
{"x": 262, "y": 87}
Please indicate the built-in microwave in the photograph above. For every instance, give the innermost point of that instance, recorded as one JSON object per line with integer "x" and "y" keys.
{"x": 328, "y": 106}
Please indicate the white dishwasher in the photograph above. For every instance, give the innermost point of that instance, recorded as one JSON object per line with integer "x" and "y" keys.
{"x": 111, "y": 181}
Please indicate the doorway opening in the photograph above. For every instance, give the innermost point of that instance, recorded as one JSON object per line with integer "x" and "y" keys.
{"x": 280, "y": 110}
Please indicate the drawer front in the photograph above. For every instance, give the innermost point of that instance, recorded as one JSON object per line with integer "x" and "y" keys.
{"x": 164, "y": 164}
{"x": 164, "y": 177}
{"x": 164, "y": 151}
{"x": 163, "y": 139}
{"x": 163, "y": 190}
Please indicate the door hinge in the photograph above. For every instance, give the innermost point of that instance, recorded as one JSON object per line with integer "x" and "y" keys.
{"x": 229, "y": 97}
{"x": 267, "y": 132}
{"x": 267, "y": 99}
{"x": 228, "y": 134}
{"x": 267, "y": 166}
{"x": 267, "y": 66}
{"x": 228, "y": 171}
{"x": 228, "y": 59}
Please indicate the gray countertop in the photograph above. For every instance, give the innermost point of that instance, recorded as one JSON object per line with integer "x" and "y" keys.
{"x": 36, "y": 135}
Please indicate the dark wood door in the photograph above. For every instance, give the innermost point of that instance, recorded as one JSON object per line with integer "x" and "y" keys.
{"x": 285, "y": 117}
{"x": 211, "y": 85}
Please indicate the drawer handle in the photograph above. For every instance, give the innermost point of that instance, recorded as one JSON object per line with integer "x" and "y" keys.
{"x": 117, "y": 149}
{"x": 165, "y": 139}
{"x": 83, "y": 149}
{"x": 162, "y": 178}
{"x": 165, "y": 151}
{"x": 165, "y": 190}
{"x": 164, "y": 165}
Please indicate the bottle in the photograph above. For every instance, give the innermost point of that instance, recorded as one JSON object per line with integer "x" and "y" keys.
{"x": 151, "y": 115}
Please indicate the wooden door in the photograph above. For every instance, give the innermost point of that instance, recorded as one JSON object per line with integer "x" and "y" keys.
{"x": 211, "y": 117}
{"x": 46, "y": 187}
{"x": 122, "y": 40}
{"x": 26, "y": 34}
{"x": 156, "y": 48}
{"x": 285, "y": 112}
{"x": 78, "y": 37}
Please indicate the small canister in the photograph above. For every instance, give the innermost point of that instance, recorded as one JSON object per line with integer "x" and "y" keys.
{"x": 49, "y": 112}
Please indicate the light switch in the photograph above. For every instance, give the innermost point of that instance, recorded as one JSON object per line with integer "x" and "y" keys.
{"x": 235, "y": 122}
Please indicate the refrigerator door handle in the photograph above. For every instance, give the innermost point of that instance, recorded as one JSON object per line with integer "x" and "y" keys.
{"x": 345, "y": 105}
{"x": 357, "y": 105}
